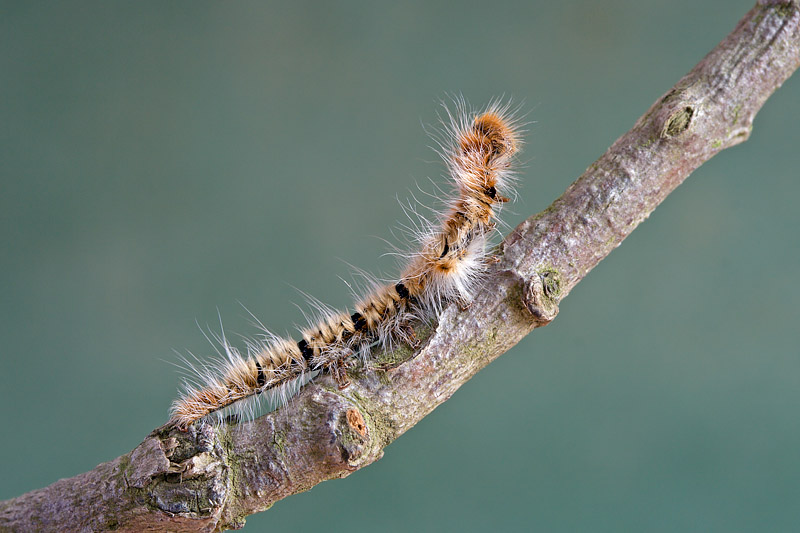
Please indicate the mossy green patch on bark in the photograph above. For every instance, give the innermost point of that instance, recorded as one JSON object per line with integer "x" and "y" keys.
{"x": 124, "y": 470}
{"x": 647, "y": 143}
{"x": 784, "y": 10}
{"x": 736, "y": 110}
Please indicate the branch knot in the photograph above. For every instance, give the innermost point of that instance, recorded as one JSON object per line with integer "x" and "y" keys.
{"x": 541, "y": 295}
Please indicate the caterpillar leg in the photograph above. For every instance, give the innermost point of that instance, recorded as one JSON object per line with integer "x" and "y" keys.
{"x": 410, "y": 336}
{"x": 340, "y": 374}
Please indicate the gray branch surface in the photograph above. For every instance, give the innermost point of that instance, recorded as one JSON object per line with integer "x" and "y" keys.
{"x": 210, "y": 478}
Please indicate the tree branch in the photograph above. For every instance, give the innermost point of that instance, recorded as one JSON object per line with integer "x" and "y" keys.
{"x": 211, "y": 478}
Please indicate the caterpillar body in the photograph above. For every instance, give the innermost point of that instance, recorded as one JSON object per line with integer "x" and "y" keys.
{"x": 478, "y": 149}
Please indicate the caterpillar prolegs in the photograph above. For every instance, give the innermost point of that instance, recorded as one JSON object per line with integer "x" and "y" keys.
{"x": 478, "y": 149}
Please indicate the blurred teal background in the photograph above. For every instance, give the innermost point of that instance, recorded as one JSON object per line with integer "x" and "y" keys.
{"x": 160, "y": 161}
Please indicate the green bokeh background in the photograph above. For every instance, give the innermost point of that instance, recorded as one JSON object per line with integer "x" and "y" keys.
{"x": 160, "y": 161}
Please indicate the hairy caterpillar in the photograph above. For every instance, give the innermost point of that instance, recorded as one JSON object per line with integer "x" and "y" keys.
{"x": 478, "y": 149}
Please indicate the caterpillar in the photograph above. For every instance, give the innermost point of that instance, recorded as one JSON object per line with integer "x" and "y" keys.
{"x": 479, "y": 150}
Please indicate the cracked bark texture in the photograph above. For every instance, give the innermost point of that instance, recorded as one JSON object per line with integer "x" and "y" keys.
{"x": 211, "y": 478}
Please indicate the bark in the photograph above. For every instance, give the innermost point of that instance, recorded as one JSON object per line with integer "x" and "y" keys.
{"x": 211, "y": 478}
